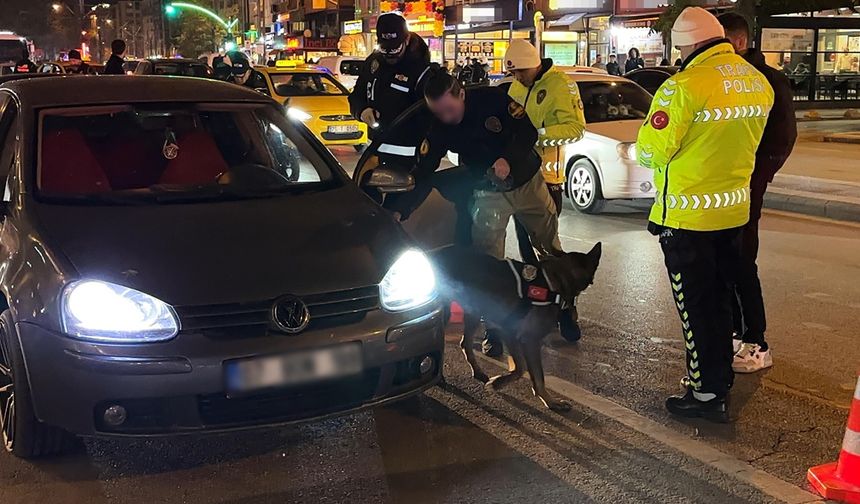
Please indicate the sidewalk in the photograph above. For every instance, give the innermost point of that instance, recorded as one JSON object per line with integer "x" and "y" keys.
{"x": 820, "y": 179}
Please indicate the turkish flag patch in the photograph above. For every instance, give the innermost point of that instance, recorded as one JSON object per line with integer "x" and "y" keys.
{"x": 537, "y": 293}
{"x": 659, "y": 120}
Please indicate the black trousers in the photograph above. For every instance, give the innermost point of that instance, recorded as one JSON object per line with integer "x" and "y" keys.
{"x": 702, "y": 269}
{"x": 527, "y": 252}
{"x": 748, "y": 308}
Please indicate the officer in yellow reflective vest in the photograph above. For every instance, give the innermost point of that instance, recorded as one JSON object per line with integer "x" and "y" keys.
{"x": 700, "y": 139}
{"x": 555, "y": 109}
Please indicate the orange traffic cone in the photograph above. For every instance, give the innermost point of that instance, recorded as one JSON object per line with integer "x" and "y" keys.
{"x": 841, "y": 480}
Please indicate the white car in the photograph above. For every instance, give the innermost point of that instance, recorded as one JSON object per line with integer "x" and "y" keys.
{"x": 344, "y": 68}
{"x": 602, "y": 166}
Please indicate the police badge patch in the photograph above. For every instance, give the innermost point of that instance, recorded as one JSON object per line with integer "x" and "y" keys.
{"x": 401, "y": 77}
{"x": 374, "y": 66}
{"x": 516, "y": 110}
{"x": 540, "y": 96}
{"x": 425, "y": 147}
{"x": 529, "y": 272}
{"x": 493, "y": 124}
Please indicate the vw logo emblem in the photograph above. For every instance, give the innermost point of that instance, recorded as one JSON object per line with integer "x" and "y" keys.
{"x": 291, "y": 315}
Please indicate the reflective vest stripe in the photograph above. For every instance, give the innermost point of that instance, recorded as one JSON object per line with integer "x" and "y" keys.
{"x": 708, "y": 201}
{"x": 731, "y": 113}
{"x": 397, "y": 150}
{"x": 555, "y": 142}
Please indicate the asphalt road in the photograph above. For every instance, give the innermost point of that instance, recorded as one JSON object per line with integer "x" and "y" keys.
{"x": 463, "y": 443}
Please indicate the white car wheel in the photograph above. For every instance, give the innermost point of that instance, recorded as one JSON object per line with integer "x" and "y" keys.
{"x": 583, "y": 187}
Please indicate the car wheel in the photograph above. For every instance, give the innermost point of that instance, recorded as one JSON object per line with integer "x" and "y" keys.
{"x": 22, "y": 434}
{"x": 583, "y": 187}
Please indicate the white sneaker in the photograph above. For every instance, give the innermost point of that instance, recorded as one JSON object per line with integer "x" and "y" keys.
{"x": 750, "y": 358}
{"x": 736, "y": 345}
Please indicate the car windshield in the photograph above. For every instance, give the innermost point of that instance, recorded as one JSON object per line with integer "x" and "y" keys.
{"x": 306, "y": 84}
{"x": 184, "y": 69}
{"x": 613, "y": 101}
{"x": 145, "y": 153}
{"x": 11, "y": 50}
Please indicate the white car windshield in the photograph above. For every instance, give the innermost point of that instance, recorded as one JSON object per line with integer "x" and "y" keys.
{"x": 613, "y": 101}
{"x": 174, "y": 153}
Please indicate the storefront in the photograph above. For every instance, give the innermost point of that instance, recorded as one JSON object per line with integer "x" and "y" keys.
{"x": 819, "y": 52}
{"x": 483, "y": 31}
{"x": 576, "y": 30}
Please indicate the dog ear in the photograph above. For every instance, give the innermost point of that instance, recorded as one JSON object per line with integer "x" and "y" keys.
{"x": 595, "y": 253}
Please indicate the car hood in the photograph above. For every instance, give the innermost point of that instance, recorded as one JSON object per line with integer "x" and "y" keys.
{"x": 321, "y": 105}
{"x": 622, "y": 131}
{"x": 236, "y": 251}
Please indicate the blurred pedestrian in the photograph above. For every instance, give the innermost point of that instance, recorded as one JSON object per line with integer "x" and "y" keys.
{"x": 703, "y": 159}
{"x": 598, "y": 62}
{"x": 553, "y": 105}
{"x": 25, "y": 64}
{"x": 76, "y": 64}
{"x": 664, "y": 62}
{"x": 115, "y": 62}
{"x": 613, "y": 68}
{"x": 634, "y": 60}
{"x": 751, "y": 350}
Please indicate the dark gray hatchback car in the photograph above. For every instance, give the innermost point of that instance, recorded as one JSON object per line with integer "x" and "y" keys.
{"x": 177, "y": 256}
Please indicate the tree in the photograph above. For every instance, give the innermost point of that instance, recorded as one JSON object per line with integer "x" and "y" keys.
{"x": 193, "y": 34}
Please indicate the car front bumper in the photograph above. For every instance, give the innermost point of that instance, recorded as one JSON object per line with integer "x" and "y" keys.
{"x": 320, "y": 129}
{"x": 178, "y": 386}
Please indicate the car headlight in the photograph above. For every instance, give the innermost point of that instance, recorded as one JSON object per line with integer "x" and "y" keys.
{"x": 627, "y": 150}
{"x": 297, "y": 114}
{"x": 409, "y": 283}
{"x": 101, "y": 311}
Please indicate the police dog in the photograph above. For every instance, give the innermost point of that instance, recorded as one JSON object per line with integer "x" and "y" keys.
{"x": 487, "y": 288}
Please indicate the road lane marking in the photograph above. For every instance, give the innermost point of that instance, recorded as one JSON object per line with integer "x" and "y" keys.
{"x": 740, "y": 470}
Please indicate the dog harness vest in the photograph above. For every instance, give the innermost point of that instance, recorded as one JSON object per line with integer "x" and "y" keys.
{"x": 533, "y": 286}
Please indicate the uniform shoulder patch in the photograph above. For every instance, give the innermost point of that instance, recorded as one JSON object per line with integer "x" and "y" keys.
{"x": 425, "y": 147}
{"x": 541, "y": 96}
{"x": 516, "y": 110}
{"x": 493, "y": 124}
{"x": 374, "y": 66}
{"x": 659, "y": 120}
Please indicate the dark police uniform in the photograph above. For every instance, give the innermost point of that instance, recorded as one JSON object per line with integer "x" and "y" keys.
{"x": 494, "y": 126}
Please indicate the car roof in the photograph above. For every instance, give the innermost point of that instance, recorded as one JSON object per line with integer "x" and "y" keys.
{"x": 594, "y": 77}
{"x": 286, "y": 70}
{"x": 70, "y": 90}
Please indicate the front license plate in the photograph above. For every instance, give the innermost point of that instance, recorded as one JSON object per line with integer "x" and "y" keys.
{"x": 351, "y": 128}
{"x": 294, "y": 368}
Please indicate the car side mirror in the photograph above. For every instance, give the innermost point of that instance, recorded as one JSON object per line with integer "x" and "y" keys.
{"x": 387, "y": 180}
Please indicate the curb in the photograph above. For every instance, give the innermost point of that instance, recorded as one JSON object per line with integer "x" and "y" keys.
{"x": 845, "y": 139}
{"x": 818, "y": 207}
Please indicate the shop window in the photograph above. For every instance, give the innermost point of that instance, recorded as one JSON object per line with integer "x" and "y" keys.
{"x": 838, "y": 65}
{"x": 790, "y": 50}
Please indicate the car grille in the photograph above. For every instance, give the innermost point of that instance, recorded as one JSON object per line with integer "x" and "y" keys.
{"x": 218, "y": 410}
{"x": 341, "y": 136}
{"x": 337, "y": 117}
{"x": 327, "y": 309}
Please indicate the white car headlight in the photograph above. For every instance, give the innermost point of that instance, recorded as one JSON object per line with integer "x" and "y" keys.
{"x": 409, "y": 283}
{"x": 297, "y": 114}
{"x": 101, "y": 311}
{"x": 627, "y": 150}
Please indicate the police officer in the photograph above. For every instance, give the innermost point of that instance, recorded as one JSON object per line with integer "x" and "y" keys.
{"x": 495, "y": 142}
{"x": 554, "y": 107}
{"x": 700, "y": 139}
{"x": 751, "y": 350}
{"x": 241, "y": 72}
{"x": 391, "y": 78}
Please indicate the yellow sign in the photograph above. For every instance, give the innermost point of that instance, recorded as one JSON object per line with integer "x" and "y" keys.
{"x": 352, "y": 27}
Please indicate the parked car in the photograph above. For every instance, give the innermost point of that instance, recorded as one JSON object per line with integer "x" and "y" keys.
{"x": 313, "y": 96}
{"x": 603, "y": 166}
{"x": 62, "y": 67}
{"x": 174, "y": 66}
{"x": 345, "y": 69}
{"x": 178, "y": 256}
{"x": 651, "y": 78}
{"x": 130, "y": 66}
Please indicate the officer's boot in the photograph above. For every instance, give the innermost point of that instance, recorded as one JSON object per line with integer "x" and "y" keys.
{"x": 568, "y": 323}
{"x": 709, "y": 407}
{"x": 492, "y": 344}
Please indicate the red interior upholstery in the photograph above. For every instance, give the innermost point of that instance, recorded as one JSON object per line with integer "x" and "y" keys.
{"x": 131, "y": 162}
{"x": 68, "y": 165}
{"x": 199, "y": 161}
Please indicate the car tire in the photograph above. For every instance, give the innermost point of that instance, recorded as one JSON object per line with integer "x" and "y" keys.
{"x": 582, "y": 187}
{"x": 20, "y": 432}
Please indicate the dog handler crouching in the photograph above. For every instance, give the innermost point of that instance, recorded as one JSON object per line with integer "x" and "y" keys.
{"x": 700, "y": 139}
{"x": 554, "y": 107}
